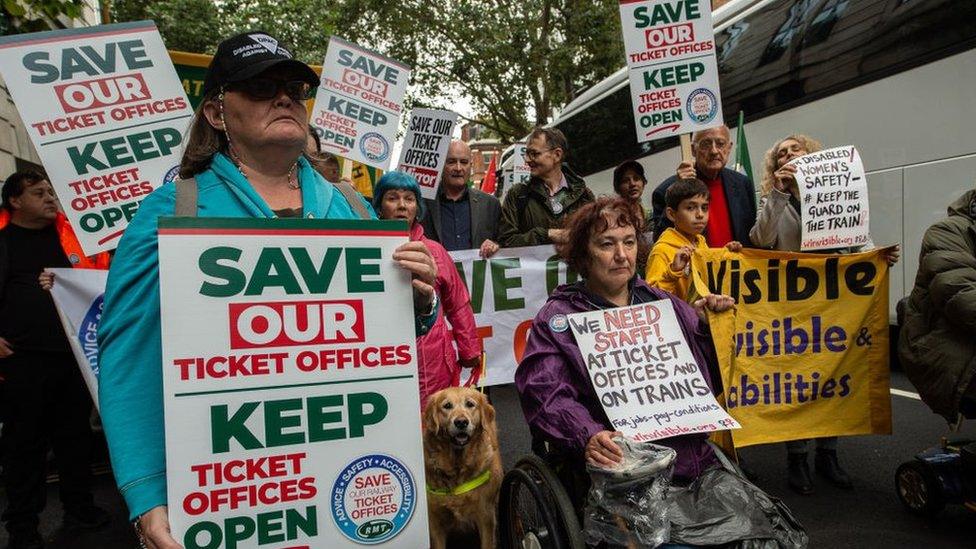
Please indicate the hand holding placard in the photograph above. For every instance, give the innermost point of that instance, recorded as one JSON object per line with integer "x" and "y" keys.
{"x": 644, "y": 373}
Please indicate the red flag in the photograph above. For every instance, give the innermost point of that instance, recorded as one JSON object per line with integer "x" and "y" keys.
{"x": 488, "y": 182}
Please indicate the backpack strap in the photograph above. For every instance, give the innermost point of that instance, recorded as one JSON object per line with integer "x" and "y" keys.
{"x": 354, "y": 199}
{"x": 186, "y": 197}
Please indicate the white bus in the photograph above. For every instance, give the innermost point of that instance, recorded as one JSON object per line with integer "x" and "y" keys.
{"x": 896, "y": 78}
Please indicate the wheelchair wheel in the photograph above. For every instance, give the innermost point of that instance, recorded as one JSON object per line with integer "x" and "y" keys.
{"x": 534, "y": 510}
{"x": 918, "y": 489}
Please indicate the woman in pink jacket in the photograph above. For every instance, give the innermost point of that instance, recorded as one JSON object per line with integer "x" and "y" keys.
{"x": 397, "y": 196}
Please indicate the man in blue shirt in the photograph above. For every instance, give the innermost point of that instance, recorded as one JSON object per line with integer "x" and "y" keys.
{"x": 462, "y": 217}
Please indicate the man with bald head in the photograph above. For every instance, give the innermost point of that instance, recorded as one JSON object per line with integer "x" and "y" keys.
{"x": 462, "y": 217}
{"x": 732, "y": 204}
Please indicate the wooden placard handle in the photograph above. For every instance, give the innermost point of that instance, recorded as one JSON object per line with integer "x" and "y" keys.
{"x": 686, "y": 147}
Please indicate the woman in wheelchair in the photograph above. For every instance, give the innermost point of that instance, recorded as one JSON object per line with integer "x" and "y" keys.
{"x": 562, "y": 409}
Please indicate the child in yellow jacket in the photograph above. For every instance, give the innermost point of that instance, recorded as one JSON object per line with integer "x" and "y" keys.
{"x": 669, "y": 266}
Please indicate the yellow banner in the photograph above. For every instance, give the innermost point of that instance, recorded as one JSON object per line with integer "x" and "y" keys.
{"x": 805, "y": 352}
{"x": 362, "y": 180}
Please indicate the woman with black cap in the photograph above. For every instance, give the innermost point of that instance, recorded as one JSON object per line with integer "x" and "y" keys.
{"x": 243, "y": 158}
{"x": 629, "y": 182}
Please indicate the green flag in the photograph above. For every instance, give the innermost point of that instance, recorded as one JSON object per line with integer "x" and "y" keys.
{"x": 742, "y": 163}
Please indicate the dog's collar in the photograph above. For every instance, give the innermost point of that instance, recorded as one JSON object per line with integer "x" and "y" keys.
{"x": 464, "y": 487}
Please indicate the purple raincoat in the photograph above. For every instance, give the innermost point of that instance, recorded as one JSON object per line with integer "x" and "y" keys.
{"x": 557, "y": 397}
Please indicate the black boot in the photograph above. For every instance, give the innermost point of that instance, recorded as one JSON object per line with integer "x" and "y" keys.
{"x": 828, "y": 467}
{"x": 798, "y": 471}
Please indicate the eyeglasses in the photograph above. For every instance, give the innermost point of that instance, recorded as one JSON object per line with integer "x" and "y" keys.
{"x": 532, "y": 154}
{"x": 269, "y": 88}
{"x": 707, "y": 144}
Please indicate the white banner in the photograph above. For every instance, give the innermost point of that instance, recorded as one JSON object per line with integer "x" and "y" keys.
{"x": 290, "y": 384}
{"x": 358, "y": 103}
{"x": 644, "y": 373}
{"x": 106, "y": 113}
{"x": 425, "y": 146}
{"x": 506, "y": 293}
{"x": 834, "y": 199}
{"x": 78, "y": 296}
{"x": 670, "y": 53}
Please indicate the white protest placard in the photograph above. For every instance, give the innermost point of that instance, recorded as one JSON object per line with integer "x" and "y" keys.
{"x": 506, "y": 292}
{"x": 106, "y": 112}
{"x": 425, "y": 146}
{"x": 358, "y": 103}
{"x": 77, "y": 295}
{"x": 644, "y": 373}
{"x": 670, "y": 53}
{"x": 292, "y": 409}
{"x": 834, "y": 199}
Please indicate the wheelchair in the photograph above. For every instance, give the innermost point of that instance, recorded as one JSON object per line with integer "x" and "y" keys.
{"x": 534, "y": 509}
{"x": 537, "y": 509}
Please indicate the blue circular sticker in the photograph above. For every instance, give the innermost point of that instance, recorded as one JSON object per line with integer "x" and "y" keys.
{"x": 373, "y": 499}
{"x": 702, "y": 106}
{"x": 88, "y": 333}
{"x": 559, "y": 323}
{"x": 374, "y": 146}
{"x": 171, "y": 175}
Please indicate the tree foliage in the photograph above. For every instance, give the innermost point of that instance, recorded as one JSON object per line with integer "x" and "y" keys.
{"x": 37, "y": 15}
{"x": 515, "y": 61}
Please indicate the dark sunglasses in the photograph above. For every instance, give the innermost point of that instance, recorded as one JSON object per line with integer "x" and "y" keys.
{"x": 269, "y": 88}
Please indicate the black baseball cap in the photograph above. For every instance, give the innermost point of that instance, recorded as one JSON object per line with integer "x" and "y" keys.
{"x": 618, "y": 172}
{"x": 248, "y": 54}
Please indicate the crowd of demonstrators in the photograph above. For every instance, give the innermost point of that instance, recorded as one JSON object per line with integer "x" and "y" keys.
{"x": 250, "y": 153}
{"x": 778, "y": 226}
{"x": 43, "y": 398}
{"x": 733, "y": 195}
{"x": 534, "y": 211}
{"x": 669, "y": 266}
{"x": 629, "y": 182}
{"x": 397, "y": 196}
{"x": 561, "y": 405}
{"x": 462, "y": 217}
{"x": 244, "y": 158}
{"x": 937, "y": 346}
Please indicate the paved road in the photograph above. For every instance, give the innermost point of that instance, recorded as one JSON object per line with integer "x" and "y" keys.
{"x": 868, "y": 517}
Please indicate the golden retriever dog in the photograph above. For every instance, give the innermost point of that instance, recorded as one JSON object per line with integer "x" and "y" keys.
{"x": 460, "y": 446}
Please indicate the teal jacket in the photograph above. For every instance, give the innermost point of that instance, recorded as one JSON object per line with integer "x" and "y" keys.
{"x": 130, "y": 380}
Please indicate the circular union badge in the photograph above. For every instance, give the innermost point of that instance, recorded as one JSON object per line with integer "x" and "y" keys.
{"x": 702, "y": 105}
{"x": 373, "y": 499}
{"x": 374, "y": 147}
{"x": 171, "y": 175}
{"x": 559, "y": 323}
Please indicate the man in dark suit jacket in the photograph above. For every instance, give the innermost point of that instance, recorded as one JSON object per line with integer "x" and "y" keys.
{"x": 462, "y": 217}
{"x": 732, "y": 206}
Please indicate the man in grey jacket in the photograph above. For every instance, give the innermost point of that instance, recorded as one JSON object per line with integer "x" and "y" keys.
{"x": 462, "y": 217}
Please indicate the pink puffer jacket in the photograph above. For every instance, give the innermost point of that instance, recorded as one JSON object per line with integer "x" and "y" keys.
{"x": 438, "y": 359}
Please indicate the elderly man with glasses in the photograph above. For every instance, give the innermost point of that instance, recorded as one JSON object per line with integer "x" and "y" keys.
{"x": 533, "y": 211}
{"x": 732, "y": 210}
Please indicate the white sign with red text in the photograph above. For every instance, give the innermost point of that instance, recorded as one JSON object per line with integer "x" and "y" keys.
{"x": 106, "y": 113}
{"x": 670, "y": 53}
{"x": 292, "y": 409}
{"x": 424, "y": 150}
{"x": 644, "y": 373}
{"x": 359, "y": 102}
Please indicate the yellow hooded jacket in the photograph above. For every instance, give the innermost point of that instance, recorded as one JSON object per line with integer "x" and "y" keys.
{"x": 659, "y": 273}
